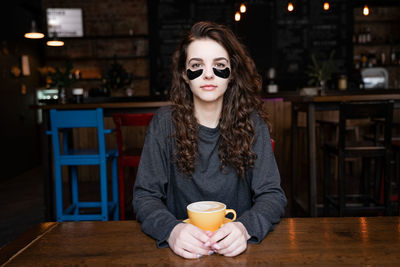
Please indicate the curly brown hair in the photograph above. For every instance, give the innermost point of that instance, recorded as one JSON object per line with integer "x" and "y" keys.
{"x": 239, "y": 101}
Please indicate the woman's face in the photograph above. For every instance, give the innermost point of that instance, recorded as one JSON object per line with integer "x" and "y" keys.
{"x": 208, "y": 71}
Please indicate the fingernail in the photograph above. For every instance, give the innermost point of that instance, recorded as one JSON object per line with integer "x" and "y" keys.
{"x": 215, "y": 246}
{"x": 199, "y": 256}
{"x": 207, "y": 244}
{"x": 211, "y": 252}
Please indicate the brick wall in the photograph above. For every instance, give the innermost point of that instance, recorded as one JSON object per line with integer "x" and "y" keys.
{"x": 111, "y": 27}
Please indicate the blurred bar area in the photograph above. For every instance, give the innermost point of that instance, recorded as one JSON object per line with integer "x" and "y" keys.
{"x": 312, "y": 55}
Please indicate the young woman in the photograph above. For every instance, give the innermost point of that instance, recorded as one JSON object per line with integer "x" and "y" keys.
{"x": 212, "y": 143}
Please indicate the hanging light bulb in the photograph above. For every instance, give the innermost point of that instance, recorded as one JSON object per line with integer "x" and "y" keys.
{"x": 326, "y": 6}
{"x": 290, "y": 7}
{"x": 242, "y": 8}
{"x": 54, "y": 41}
{"x": 237, "y": 16}
{"x": 365, "y": 10}
{"x": 34, "y": 33}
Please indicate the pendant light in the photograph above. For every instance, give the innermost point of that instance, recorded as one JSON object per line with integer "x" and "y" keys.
{"x": 366, "y": 10}
{"x": 242, "y": 8}
{"x": 290, "y": 6}
{"x": 237, "y": 16}
{"x": 326, "y": 6}
{"x": 54, "y": 41}
{"x": 34, "y": 33}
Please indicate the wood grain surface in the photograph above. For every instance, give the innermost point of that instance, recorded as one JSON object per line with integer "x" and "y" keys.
{"x": 365, "y": 241}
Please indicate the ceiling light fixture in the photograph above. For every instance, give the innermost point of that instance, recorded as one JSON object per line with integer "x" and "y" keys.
{"x": 290, "y": 7}
{"x": 54, "y": 41}
{"x": 326, "y": 5}
{"x": 34, "y": 33}
{"x": 366, "y": 10}
{"x": 237, "y": 16}
{"x": 243, "y": 8}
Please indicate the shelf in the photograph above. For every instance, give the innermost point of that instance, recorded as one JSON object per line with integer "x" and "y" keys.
{"x": 377, "y": 21}
{"x": 377, "y": 44}
{"x": 94, "y": 58}
{"x": 134, "y": 36}
{"x": 388, "y": 66}
{"x": 100, "y": 79}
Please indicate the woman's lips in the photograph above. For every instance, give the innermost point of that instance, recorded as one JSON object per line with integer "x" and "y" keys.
{"x": 208, "y": 87}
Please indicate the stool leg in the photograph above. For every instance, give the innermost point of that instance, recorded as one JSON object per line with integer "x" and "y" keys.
{"x": 58, "y": 191}
{"x": 114, "y": 180}
{"x": 103, "y": 191}
{"x": 397, "y": 178}
{"x": 341, "y": 183}
{"x": 327, "y": 182}
{"x": 387, "y": 184}
{"x": 379, "y": 176}
{"x": 365, "y": 187}
{"x": 121, "y": 182}
{"x": 74, "y": 189}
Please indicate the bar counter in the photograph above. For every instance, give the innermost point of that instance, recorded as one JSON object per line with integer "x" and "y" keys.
{"x": 371, "y": 241}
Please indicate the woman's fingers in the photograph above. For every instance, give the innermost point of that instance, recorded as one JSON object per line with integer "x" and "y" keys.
{"x": 188, "y": 241}
{"x": 230, "y": 240}
{"x": 186, "y": 254}
{"x": 234, "y": 248}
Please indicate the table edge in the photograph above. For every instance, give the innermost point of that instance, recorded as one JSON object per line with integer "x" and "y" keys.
{"x": 13, "y": 248}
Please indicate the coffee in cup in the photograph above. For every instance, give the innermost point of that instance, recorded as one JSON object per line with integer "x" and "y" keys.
{"x": 208, "y": 215}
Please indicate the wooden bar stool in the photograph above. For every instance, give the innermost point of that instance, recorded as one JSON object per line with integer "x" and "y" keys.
{"x": 396, "y": 150}
{"x": 63, "y": 121}
{"x": 380, "y": 152}
{"x": 127, "y": 157}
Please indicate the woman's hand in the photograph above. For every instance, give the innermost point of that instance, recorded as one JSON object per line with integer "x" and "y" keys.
{"x": 188, "y": 241}
{"x": 230, "y": 240}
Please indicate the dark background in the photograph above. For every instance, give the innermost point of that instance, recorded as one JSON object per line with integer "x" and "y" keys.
{"x": 274, "y": 37}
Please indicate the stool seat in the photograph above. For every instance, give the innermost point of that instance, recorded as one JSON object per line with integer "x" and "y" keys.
{"x": 356, "y": 150}
{"x": 66, "y": 154}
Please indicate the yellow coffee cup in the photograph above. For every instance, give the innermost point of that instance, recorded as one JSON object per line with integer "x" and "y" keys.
{"x": 208, "y": 215}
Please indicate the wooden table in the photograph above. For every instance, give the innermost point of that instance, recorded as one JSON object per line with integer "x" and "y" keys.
{"x": 108, "y": 110}
{"x": 309, "y": 105}
{"x": 371, "y": 241}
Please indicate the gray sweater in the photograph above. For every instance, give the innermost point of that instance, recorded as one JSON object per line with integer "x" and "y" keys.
{"x": 162, "y": 192}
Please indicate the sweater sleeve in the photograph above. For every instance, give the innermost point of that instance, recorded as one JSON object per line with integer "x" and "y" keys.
{"x": 268, "y": 198}
{"x": 151, "y": 182}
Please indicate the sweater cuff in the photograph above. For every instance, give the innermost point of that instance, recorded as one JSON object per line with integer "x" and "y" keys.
{"x": 162, "y": 243}
{"x": 255, "y": 228}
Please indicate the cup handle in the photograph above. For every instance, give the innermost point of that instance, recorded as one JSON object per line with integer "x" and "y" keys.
{"x": 231, "y": 211}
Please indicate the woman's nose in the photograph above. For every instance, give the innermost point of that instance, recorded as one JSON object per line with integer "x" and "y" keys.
{"x": 208, "y": 73}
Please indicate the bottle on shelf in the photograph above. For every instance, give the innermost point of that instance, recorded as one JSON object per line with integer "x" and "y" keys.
{"x": 342, "y": 82}
{"x": 368, "y": 37}
{"x": 272, "y": 87}
{"x": 360, "y": 38}
{"x": 382, "y": 58}
{"x": 62, "y": 98}
{"x": 393, "y": 56}
{"x": 364, "y": 60}
{"x": 372, "y": 60}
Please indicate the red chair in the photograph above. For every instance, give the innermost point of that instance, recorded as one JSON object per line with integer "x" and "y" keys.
{"x": 127, "y": 157}
{"x": 273, "y": 144}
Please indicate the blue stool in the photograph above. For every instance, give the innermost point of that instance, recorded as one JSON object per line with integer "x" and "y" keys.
{"x": 64, "y": 121}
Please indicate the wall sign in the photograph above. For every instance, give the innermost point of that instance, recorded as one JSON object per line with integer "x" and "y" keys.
{"x": 64, "y": 22}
